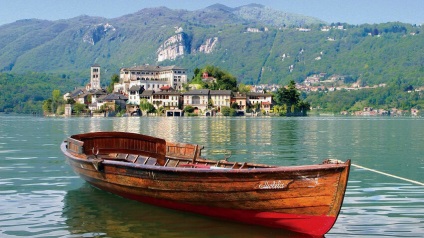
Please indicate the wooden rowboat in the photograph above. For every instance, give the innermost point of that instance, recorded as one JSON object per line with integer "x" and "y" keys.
{"x": 304, "y": 199}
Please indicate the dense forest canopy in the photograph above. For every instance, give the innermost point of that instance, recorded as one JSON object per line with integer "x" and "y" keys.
{"x": 25, "y": 93}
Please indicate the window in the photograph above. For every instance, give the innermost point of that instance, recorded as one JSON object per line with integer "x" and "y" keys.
{"x": 195, "y": 100}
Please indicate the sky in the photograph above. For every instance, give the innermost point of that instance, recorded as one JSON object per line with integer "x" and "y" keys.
{"x": 346, "y": 11}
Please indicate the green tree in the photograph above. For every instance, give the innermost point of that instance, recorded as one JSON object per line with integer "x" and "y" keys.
{"x": 114, "y": 79}
{"x": 289, "y": 97}
{"x": 47, "y": 106}
{"x": 146, "y": 107}
{"x": 78, "y": 108}
{"x": 55, "y": 100}
{"x": 223, "y": 79}
{"x": 210, "y": 103}
{"x": 227, "y": 111}
{"x": 280, "y": 110}
{"x": 56, "y": 95}
{"x": 243, "y": 88}
{"x": 161, "y": 110}
{"x": 188, "y": 109}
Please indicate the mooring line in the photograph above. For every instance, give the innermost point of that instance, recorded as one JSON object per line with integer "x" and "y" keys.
{"x": 390, "y": 175}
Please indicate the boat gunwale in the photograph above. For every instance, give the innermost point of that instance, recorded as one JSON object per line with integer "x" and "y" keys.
{"x": 276, "y": 169}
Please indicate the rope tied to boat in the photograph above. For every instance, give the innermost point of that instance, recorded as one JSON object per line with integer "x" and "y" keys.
{"x": 335, "y": 161}
{"x": 389, "y": 175}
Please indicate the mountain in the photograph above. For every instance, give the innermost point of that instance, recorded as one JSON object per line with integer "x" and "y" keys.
{"x": 72, "y": 45}
{"x": 255, "y": 43}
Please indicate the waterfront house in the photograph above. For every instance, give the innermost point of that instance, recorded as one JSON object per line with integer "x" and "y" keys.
{"x": 115, "y": 101}
{"x": 134, "y": 94}
{"x": 263, "y": 99}
{"x": 220, "y": 98}
{"x": 198, "y": 99}
{"x": 240, "y": 99}
{"x": 167, "y": 99}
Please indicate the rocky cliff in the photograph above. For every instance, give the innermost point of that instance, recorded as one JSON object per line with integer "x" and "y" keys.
{"x": 180, "y": 44}
{"x": 172, "y": 47}
{"x": 208, "y": 46}
{"x": 96, "y": 32}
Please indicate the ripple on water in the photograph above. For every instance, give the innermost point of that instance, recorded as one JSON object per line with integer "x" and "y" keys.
{"x": 8, "y": 151}
{"x": 32, "y": 214}
{"x": 389, "y": 209}
{"x": 7, "y": 168}
{"x": 20, "y": 158}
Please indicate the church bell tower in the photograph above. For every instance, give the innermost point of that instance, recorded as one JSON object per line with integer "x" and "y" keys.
{"x": 95, "y": 77}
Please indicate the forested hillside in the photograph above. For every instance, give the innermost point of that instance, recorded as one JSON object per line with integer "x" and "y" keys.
{"x": 25, "y": 93}
{"x": 255, "y": 50}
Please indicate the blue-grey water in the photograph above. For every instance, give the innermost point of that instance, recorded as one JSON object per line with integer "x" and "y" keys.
{"x": 40, "y": 196}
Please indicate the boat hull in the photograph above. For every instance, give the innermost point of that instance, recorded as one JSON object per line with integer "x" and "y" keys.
{"x": 313, "y": 225}
{"x": 304, "y": 199}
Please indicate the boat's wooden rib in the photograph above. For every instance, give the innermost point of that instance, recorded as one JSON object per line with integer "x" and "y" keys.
{"x": 304, "y": 199}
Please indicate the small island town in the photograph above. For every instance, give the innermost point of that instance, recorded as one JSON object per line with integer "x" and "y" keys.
{"x": 163, "y": 91}
{"x": 148, "y": 90}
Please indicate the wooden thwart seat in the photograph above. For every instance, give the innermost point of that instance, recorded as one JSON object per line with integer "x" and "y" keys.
{"x": 151, "y": 161}
{"x": 132, "y": 158}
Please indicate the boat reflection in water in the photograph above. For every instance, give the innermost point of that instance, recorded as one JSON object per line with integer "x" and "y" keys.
{"x": 90, "y": 212}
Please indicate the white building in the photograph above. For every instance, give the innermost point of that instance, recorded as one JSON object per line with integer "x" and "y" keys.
{"x": 151, "y": 78}
{"x": 220, "y": 98}
{"x": 134, "y": 94}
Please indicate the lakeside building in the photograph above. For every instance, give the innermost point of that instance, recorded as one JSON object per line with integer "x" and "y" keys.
{"x": 197, "y": 98}
{"x": 151, "y": 78}
{"x": 220, "y": 98}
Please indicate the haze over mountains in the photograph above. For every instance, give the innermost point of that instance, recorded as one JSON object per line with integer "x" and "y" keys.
{"x": 255, "y": 43}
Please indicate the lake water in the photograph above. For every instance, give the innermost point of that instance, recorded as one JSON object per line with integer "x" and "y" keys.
{"x": 40, "y": 196}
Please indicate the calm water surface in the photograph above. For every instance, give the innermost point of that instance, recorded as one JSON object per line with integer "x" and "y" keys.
{"x": 40, "y": 196}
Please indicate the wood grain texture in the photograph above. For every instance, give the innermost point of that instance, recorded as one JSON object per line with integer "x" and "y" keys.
{"x": 175, "y": 175}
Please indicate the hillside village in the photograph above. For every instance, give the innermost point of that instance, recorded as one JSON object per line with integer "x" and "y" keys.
{"x": 162, "y": 87}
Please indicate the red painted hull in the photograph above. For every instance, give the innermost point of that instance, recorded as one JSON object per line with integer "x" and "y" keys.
{"x": 312, "y": 225}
